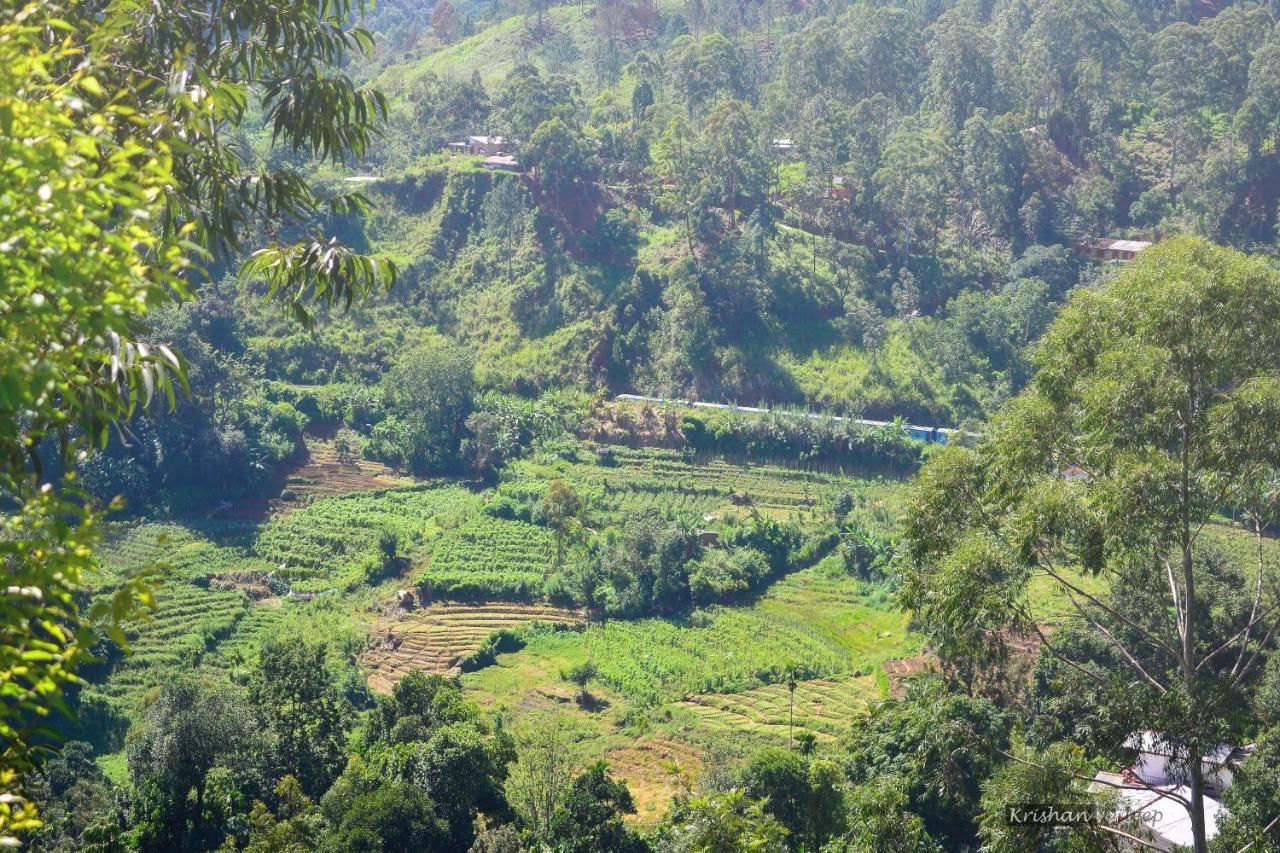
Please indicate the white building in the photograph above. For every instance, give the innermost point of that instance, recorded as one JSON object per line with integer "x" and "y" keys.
{"x": 1109, "y": 249}
{"x": 1150, "y": 792}
{"x": 502, "y": 163}
{"x": 487, "y": 145}
{"x": 1156, "y": 764}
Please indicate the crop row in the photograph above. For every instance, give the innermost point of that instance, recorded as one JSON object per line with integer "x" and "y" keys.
{"x": 722, "y": 650}
{"x": 489, "y": 557}
{"x": 338, "y": 530}
{"x": 189, "y": 622}
{"x": 824, "y": 707}
{"x": 638, "y": 479}
{"x": 243, "y": 643}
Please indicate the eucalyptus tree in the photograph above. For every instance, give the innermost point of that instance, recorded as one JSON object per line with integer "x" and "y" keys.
{"x": 734, "y": 166}
{"x": 1184, "y": 96}
{"x": 1158, "y": 390}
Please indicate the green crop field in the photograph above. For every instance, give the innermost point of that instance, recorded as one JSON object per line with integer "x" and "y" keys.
{"x": 816, "y": 620}
{"x": 812, "y": 623}
{"x": 205, "y": 570}
{"x": 325, "y": 545}
{"x": 822, "y": 706}
{"x": 634, "y": 480}
{"x": 489, "y": 557}
{"x": 698, "y": 681}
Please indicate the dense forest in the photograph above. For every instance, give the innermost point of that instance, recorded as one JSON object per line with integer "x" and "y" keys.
{"x": 339, "y": 514}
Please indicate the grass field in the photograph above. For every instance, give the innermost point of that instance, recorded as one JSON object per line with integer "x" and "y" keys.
{"x": 493, "y": 51}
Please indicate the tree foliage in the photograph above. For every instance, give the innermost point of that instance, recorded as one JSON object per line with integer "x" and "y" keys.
{"x": 120, "y": 173}
{"x": 1159, "y": 385}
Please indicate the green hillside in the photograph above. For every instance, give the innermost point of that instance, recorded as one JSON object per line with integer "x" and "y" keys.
{"x": 639, "y": 426}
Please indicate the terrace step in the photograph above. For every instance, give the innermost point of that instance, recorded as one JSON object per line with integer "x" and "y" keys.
{"x": 435, "y": 638}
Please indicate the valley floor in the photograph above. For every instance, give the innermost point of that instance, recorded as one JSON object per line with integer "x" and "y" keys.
{"x": 671, "y": 695}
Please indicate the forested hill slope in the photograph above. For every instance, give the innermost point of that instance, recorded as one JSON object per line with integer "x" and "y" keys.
{"x": 856, "y": 205}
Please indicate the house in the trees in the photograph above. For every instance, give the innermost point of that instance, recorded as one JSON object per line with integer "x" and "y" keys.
{"x": 1151, "y": 793}
{"x": 1156, "y": 764}
{"x": 839, "y": 188}
{"x": 502, "y": 163}
{"x": 487, "y": 146}
{"x": 1107, "y": 249}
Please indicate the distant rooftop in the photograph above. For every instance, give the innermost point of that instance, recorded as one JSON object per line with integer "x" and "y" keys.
{"x": 502, "y": 162}
{"x": 1111, "y": 249}
{"x": 1120, "y": 245}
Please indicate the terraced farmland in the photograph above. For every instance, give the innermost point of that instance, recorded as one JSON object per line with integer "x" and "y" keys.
{"x": 246, "y": 638}
{"x": 642, "y": 479}
{"x": 139, "y": 545}
{"x": 322, "y": 545}
{"x": 824, "y": 707}
{"x": 653, "y": 660}
{"x": 202, "y": 619}
{"x": 816, "y": 623}
{"x": 667, "y": 689}
{"x": 488, "y": 557}
{"x": 655, "y": 770}
{"x": 435, "y": 638}
{"x": 322, "y": 474}
{"x": 175, "y": 549}
{"x": 188, "y": 623}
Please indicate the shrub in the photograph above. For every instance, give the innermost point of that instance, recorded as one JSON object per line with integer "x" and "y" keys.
{"x": 501, "y": 641}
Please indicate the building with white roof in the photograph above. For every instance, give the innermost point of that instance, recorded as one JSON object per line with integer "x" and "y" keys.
{"x": 1108, "y": 249}
{"x": 1151, "y": 793}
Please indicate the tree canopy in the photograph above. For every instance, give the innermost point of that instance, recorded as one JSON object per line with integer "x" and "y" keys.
{"x": 1148, "y": 414}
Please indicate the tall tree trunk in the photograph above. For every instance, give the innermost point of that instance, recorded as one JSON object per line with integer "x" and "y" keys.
{"x": 733, "y": 198}
{"x": 1194, "y": 769}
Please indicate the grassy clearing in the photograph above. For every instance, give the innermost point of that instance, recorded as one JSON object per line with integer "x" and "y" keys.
{"x": 497, "y": 49}
{"x": 894, "y": 380}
